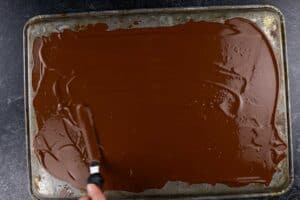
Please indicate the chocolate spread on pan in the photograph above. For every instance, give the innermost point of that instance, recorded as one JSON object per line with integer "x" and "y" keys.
{"x": 194, "y": 102}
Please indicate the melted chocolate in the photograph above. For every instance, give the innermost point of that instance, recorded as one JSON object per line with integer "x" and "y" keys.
{"x": 194, "y": 102}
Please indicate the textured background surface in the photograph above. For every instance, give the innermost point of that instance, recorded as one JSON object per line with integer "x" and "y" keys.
{"x": 13, "y": 15}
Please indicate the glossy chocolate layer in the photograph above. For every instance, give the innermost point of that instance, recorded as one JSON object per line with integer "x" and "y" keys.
{"x": 194, "y": 102}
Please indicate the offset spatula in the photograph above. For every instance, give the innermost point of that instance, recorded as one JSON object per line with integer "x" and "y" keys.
{"x": 86, "y": 123}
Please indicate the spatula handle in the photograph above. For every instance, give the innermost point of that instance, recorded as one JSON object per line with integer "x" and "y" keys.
{"x": 96, "y": 179}
{"x": 95, "y": 175}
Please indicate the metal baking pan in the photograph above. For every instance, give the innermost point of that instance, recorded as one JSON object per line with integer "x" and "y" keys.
{"x": 268, "y": 18}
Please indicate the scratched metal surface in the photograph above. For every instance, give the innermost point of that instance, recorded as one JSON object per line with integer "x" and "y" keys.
{"x": 13, "y": 15}
{"x": 268, "y": 18}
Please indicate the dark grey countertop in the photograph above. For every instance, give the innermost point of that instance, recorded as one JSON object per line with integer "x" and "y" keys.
{"x": 14, "y": 14}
